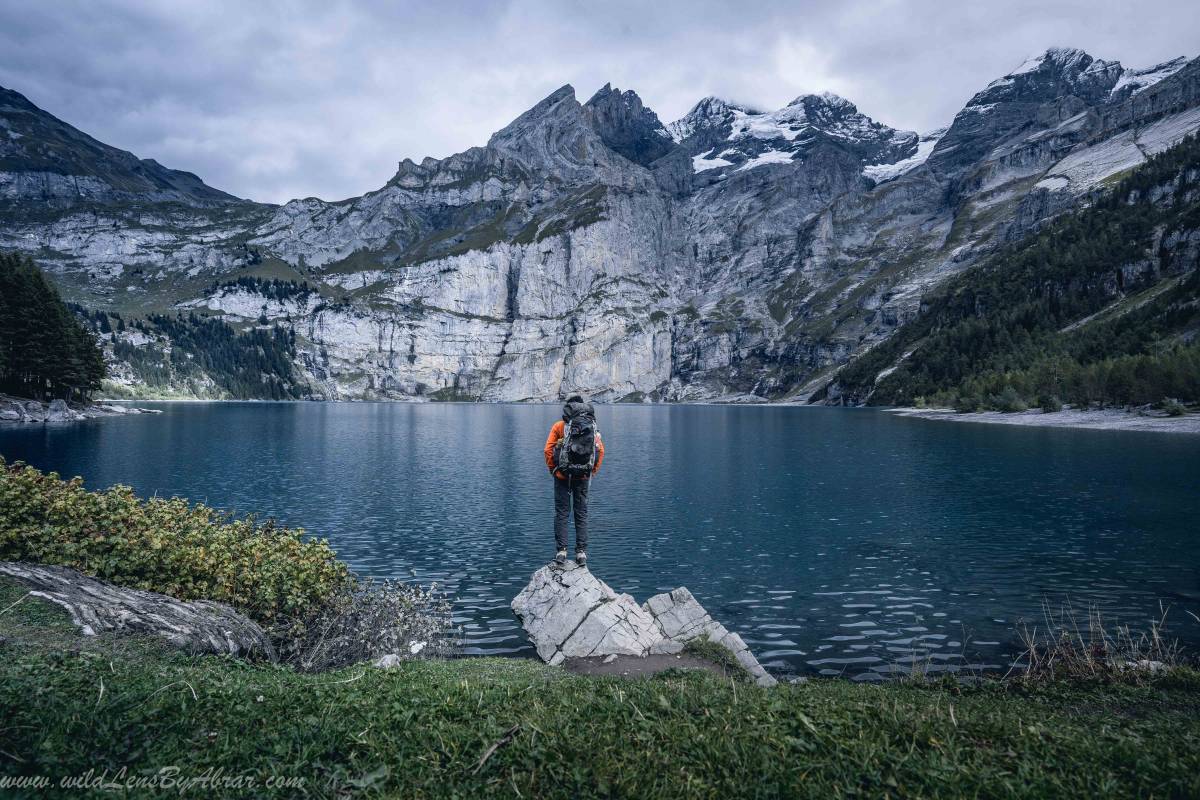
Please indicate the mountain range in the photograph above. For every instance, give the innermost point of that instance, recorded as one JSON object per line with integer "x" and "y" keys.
{"x": 733, "y": 254}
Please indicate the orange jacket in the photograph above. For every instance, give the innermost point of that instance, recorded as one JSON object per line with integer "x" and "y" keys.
{"x": 556, "y": 434}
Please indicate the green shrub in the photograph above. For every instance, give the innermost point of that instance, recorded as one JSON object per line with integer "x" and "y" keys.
{"x": 1050, "y": 403}
{"x": 271, "y": 574}
{"x": 1008, "y": 400}
{"x": 718, "y": 654}
{"x": 965, "y": 404}
{"x": 1174, "y": 408}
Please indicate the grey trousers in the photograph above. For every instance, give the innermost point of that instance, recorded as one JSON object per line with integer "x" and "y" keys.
{"x": 568, "y": 493}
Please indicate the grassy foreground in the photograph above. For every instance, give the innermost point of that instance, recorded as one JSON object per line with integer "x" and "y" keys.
{"x": 208, "y": 726}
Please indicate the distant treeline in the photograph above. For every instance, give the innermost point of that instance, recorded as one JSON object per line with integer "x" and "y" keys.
{"x": 274, "y": 289}
{"x": 256, "y": 364}
{"x": 45, "y": 351}
{"x": 103, "y": 322}
{"x": 1102, "y": 307}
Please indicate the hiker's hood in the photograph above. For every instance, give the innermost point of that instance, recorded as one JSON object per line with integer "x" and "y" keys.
{"x": 575, "y": 407}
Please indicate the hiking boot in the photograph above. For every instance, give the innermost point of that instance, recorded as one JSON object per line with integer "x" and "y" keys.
{"x": 581, "y": 558}
{"x": 560, "y": 557}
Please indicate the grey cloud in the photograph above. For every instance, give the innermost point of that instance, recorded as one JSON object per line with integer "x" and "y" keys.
{"x": 274, "y": 100}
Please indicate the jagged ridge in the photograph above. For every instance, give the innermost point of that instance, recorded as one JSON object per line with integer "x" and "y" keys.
{"x": 588, "y": 246}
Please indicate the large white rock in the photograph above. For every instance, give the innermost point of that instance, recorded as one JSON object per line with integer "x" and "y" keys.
{"x": 570, "y": 613}
{"x": 59, "y": 411}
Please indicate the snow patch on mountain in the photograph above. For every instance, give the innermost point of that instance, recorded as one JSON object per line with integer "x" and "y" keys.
{"x": 1169, "y": 131}
{"x": 1087, "y": 167}
{"x": 1028, "y": 65}
{"x": 886, "y": 172}
{"x": 702, "y": 162}
{"x": 774, "y": 125}
{"x": 984, "y": 108}
{"x": 1084, "y": 169}
{"x": 1053, "y": 183}
{"x": 1142, "y": 79}
{"x": 830, "y": 113}
{"x": 768, "y": 157}
{"x": 708, "y": 113}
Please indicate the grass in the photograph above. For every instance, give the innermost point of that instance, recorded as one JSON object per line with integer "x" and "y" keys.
{"x": 485, "y": 727}
{"x": 1065, "y": 645}
{"x": 709, "y": 650}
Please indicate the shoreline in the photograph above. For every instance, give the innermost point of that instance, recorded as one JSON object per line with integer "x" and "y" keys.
{"x": 1101, "y": 420}
{"x": 26, "y": 411}
{"x": 474, "y": 726}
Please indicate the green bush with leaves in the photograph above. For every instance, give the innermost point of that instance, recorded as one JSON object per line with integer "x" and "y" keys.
{"x": 1050, "y": 403}
{"x": 1173, "y": 407}
{"x": 272, "y": 574}
{"x": 1008, "y": 400}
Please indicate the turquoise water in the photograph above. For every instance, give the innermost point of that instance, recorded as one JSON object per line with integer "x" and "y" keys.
{"x": 834, "y": 540}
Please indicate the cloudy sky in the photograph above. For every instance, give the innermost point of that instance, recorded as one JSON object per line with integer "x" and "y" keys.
{"x": 274, "y": 100}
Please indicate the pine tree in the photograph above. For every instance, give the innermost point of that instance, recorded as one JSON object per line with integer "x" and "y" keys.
{"x": 44, "y": 349}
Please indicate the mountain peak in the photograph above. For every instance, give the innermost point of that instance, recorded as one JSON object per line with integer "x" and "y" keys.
{"x": 561, "y": 102}
{"x": 1066, "y": 56}
{"x": 552, "y": 102}
{"x": 564, "y": 92}
{"x": 1056, "y": 72}
{"x": 824, "y": 108}
{"x": 1054, "y": 58}
{"x": 73, "y": 167}
{"x": 607, "y": 91}
{"x": 826, "y": 112}
{"x": 627, "y": 126}
{"x": 712, "y": 102}
{"x": 10, "y": 99}
{"x": 709, "y": 112}
{"x": 825, "y": 100}
{"x": 721, "y": 135}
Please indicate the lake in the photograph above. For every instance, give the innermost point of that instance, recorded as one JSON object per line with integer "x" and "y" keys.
{"x": 835, "y": 541}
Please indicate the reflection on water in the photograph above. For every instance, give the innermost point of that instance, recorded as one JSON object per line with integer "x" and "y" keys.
{"x": 834, "y": 541}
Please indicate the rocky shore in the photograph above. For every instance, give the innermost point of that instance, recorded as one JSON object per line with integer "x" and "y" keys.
{"x": 1100, "y": 419}
{"x": 570, "y": 615}
{"x": 19, "y": 410}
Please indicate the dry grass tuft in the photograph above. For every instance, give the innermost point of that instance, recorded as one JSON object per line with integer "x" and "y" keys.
{"x": 1063, "y": 647}
{"x": 376, "y": 618}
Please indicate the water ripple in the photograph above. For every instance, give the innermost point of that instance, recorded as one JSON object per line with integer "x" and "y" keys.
{"x": 835, "y": 541}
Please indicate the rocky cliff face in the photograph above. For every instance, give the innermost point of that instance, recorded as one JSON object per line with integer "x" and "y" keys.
{"x": 589, "y": 247}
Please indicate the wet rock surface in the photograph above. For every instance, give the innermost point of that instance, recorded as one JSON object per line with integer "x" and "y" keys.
{"x": 198, "y": 626}
{"x": 571, "y": 614}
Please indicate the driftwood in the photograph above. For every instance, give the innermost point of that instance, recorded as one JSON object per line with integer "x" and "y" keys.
{"x": 198, "y": 626}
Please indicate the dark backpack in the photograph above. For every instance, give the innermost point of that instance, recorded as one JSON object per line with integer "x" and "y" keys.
{"x": 575, "y": 455}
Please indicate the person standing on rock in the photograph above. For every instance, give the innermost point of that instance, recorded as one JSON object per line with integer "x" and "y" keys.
{"x": 574, "y": 452}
